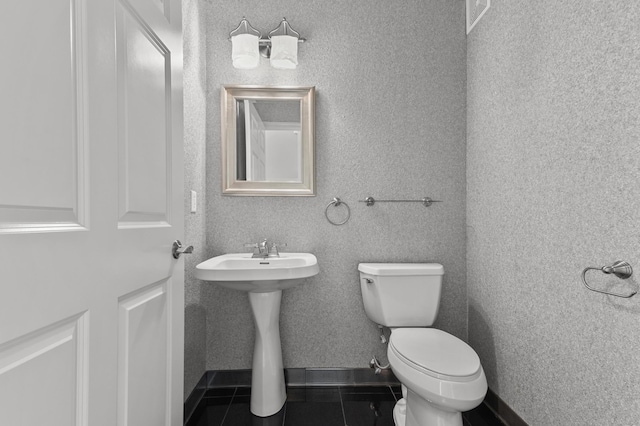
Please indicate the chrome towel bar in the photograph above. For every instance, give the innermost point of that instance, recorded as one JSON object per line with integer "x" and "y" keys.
{"x": 426, "y": 201}
{"x": 620, "y": 269}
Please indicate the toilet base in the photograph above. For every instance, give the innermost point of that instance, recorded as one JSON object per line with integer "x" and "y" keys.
{"x": 415, "y": 411}
{"x": 400, "y": 412}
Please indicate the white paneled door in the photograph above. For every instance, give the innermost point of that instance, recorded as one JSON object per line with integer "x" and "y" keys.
{"x": 91, "y": 199}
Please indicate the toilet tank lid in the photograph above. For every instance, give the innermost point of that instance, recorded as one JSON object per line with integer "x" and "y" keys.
{"x": 401, "y": 268}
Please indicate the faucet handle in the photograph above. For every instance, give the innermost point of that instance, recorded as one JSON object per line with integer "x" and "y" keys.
{"x": 254, "y": 246}
{"x": 273, "y": 249}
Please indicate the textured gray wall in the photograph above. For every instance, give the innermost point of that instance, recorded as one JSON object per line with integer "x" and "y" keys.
{"x": 390, "y": 122}
{"x": 195, "y": 172}
{"x": 553, "y": 170}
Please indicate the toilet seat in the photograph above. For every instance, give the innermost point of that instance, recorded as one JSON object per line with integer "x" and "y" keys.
{"x": 435, "y": 353}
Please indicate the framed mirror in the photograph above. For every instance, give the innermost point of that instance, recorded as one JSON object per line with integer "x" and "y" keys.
{"x": 268, "y": 140}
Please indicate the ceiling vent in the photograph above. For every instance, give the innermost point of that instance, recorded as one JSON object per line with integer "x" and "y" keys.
{"x": 475, "y": 11}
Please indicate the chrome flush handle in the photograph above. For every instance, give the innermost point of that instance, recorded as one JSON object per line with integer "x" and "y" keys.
{"x": 177, "y": 249}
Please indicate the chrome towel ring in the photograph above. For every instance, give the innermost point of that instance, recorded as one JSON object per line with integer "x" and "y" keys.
{"x": 620, "y": 269}
{"x": 337, "y": 202}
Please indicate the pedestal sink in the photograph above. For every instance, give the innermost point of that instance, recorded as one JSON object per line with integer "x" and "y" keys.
{"x": 264, "y": 279}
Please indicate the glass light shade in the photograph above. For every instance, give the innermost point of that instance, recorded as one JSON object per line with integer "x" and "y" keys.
{"x": 284, "y": 52}
{"x": 244, "y": 51}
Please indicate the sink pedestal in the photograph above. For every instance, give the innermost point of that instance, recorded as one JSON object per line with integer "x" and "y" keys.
{"x": 268, "y": 393}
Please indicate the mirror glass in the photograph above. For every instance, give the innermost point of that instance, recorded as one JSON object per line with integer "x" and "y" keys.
{"x": 268, "y": 140}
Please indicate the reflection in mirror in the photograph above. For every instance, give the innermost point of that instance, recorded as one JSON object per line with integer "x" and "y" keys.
{"x": 268, "y": 140}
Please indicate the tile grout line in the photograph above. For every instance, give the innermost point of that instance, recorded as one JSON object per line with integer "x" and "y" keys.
{"x": 344, "y": 417}
{"x": 392, "y": 393}
{"x": 235, "y": 390}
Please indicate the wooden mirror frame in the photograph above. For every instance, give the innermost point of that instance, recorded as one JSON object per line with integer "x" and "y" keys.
{"x": 230, "y": 94}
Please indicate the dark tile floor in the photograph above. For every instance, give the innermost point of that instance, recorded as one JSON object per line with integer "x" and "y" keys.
{"x": 311, "y": 406}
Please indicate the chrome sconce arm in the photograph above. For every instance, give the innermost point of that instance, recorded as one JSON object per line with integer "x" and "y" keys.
{"x": 244, "y": 28}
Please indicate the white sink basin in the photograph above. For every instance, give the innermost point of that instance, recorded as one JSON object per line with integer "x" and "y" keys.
{"x": 263, "y": 279}
{"x": 239, "y": 271}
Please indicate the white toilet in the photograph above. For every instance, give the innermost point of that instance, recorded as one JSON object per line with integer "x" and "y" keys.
{"x": 441, "y": 375}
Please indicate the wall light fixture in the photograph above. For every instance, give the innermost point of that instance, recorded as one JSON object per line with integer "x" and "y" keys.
{"x": 281, "y": 46}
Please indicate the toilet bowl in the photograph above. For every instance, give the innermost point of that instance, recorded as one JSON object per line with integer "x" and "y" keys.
{"x": 441, "y": 375}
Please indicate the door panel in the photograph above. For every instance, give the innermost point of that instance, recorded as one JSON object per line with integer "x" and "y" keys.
{"x": 57, "y": 353}
{"x": 256, "y": 157}
{"x": 90, "y": 201}
{"x": 165, "y": 8}
{"x": 144, "y": 353}
{"x": 150, "y": 293}
{"x": 144, "y": 89}
{"x": 42, "y": 167}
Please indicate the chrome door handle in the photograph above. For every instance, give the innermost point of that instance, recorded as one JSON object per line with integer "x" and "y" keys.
{"x": 177, "y": 250}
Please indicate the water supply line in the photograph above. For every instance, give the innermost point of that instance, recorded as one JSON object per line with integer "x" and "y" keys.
{"x": 374, "y": 363}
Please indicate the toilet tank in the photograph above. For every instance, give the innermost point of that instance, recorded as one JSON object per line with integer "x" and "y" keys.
{"x": 401, "y": 294}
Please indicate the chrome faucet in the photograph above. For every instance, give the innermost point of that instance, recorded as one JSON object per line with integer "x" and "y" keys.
{"x": 265, "y": 249}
